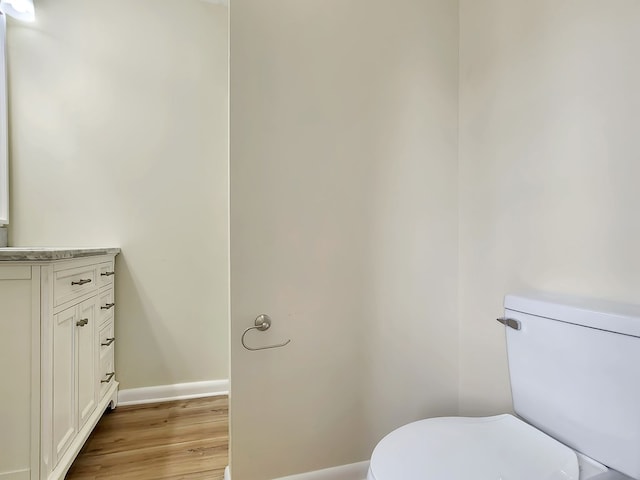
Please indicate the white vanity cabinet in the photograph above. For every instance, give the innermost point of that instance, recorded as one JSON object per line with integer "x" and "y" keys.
{"x": 73, "y": 354}
{"x": 57, "y": 343}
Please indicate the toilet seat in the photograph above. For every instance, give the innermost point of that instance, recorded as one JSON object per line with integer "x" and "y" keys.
{"x": 457, "y": 448}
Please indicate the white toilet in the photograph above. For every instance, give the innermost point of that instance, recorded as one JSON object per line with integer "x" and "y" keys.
{"x": 575, "y": 378}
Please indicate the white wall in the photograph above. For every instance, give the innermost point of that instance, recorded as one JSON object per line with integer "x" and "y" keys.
{"x": 343, "y": 226}
{"x": 409, "y": 150}
{"x": 119, "y": 137}
{"x": 344, "y": 116}
{"x": 549, "y": 166}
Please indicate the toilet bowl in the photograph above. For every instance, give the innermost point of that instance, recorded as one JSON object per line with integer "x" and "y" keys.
{"x": 573, "y": 365}
{"x": 501, "y": 447}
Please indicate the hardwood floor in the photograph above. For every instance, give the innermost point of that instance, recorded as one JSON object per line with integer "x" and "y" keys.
{"x": 187, "y": 439}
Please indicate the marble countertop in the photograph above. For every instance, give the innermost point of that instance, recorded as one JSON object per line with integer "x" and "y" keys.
{"x": 16, "y": 254}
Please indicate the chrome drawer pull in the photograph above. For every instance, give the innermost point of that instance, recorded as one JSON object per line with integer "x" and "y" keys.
{"x": 109, "y": 377}
{"x": 81, "y": 282}
{"x": 82, "y": 322}
{"x": 107, "y": 274}
{"x": 108, "y": 306}
{"x": 109, "y": 342}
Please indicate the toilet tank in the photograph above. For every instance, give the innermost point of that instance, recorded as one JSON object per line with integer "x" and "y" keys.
{"x": 574, "y": 366}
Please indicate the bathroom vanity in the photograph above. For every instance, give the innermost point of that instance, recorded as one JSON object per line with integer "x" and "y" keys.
{"x": 57, "y": 345}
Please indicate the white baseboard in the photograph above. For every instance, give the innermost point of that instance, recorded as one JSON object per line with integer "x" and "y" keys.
{"x": 353, "y": 471}
{"x": 18, "y": 475}
{"x": 168, "y": 393}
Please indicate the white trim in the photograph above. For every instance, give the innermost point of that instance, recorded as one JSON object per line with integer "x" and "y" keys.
{"x": 17, "y": 475}
{"x": 353, "y": 471}
{"x": 167, "y": 393}
{"x": 4, "y": 129}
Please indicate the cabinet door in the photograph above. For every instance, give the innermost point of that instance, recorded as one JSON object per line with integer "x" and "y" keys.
{"x": 87, "y": 350}
{"x": 64, "y": 418}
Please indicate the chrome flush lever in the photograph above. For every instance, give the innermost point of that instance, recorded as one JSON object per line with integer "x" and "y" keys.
{"x": 510, "y": 322}
{"x": 262, "y": 323}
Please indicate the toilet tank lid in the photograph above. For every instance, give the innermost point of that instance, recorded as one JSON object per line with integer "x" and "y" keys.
{"x": 605, "y": 315}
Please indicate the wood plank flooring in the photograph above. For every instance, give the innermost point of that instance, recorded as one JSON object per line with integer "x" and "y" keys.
{"x": 183, "y": 440}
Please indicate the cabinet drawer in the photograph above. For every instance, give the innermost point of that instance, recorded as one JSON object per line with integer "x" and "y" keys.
{"x": 73, "y": 283}
{"x": 107, "y": 339}
{"x": 107, "y": 372}
{"x": 106, "y": 272}
{"x": 107, "y": 305}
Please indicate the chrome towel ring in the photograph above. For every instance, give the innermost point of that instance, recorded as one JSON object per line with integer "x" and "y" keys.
{"x": 262, "y": 323}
